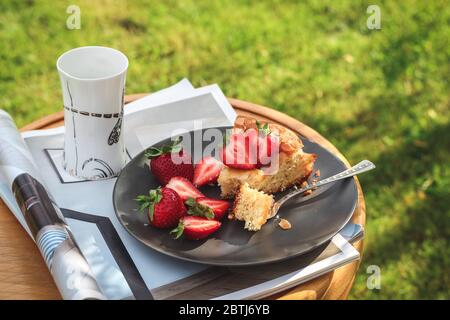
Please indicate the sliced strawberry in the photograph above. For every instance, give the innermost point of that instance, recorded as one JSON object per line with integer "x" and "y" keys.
{"x": 236, "y": 154}
{"x": 164, "y": 207}
{"x": 195, "y": 228}
{"x": 170, "y": 161}
{"x": 219, "y": 207}
{"x": 207, "y": 171}
{"x": 184, "y": 188}
{"x": 181, "y": 203}
{"x": 251, "y": 145}
{"x": 198, "y": 209}
{"x": 268, "y": 146}
{"x": 207, "y": 207}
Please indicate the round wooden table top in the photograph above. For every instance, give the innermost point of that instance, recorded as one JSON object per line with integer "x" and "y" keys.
{"x": 24, "y": 275}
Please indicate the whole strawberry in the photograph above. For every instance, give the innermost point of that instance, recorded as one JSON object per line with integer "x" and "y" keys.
{"x": 170, "y": 161}
{"x": 165, "y": 207}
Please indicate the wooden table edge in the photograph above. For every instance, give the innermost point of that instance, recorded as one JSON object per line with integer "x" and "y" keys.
{"x": 333, "y": 285}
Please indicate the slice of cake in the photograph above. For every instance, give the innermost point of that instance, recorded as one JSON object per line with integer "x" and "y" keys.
{"x": 252, "y": 206}
{"x": 294, "y": 166}
{"x": 231, "y": 179}
{"x": 293, "y": 169}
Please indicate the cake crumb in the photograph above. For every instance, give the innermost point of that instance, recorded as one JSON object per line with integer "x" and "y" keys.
{"x": 230, "y": 216}
{"x": 284, "y": 224}
{"x": 313, "y": 183}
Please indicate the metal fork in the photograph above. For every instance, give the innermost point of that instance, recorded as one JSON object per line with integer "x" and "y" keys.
{"x": 361, "y": 167}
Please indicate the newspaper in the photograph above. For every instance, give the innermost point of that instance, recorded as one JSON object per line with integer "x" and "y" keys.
{"x": 111, "y": 263}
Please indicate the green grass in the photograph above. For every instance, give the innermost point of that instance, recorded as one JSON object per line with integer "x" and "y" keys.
{"x": 381, "y": 95}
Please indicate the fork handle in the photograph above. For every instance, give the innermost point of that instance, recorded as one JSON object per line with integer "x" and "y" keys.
{"x": 361, "y": 167}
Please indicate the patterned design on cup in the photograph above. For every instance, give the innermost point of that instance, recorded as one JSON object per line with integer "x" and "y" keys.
{"x": 102, "y": 168}
{"x": 98, "y": 115}
{"x": 115, "y": 133}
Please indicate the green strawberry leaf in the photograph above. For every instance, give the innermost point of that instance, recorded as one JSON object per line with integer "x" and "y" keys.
{"x": 144, "y": 201}
{"x": 190, "y": 202}
{"x": 153, "y": 153}
{"x": 178, "y": 231}
{"x": 199, "y": 210}
{"x": 266, "y": 129}
{"x": 151, "y": 211}
{"x": 263, "y": 128}
{"x": 176, "y": 142}
{"x": 174, "y": 146}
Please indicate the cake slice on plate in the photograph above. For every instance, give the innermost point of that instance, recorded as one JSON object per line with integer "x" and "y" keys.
{"x": 252, "y": 184}
{"x": 252, "y": 206}
{"x": 293, "y": 169}
{"x": 293, "y": 165}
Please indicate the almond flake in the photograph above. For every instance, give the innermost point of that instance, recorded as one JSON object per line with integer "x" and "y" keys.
{"x": 284, "y": 224}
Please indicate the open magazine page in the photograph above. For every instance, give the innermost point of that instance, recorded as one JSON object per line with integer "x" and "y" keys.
{"x": 123, "y": 267}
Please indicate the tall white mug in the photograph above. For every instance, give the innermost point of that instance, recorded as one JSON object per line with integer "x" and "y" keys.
{"x": 93, "y": 87}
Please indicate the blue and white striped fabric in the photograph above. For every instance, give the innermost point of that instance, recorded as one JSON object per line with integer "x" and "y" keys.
{"x": 49, "y": 241}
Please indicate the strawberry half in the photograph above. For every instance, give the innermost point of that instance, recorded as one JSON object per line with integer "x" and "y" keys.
{"x": 219, "y": 207}
{"x": 198, "y": 209}
{"x": 236, "y": 153}
{"x": 207, "y": 171}
{"x": 268, "y": 147}
{"x": 267, "y": 143}
{"x": 195, "y": 228}
{"x": 207, "y": 207}
{"x": 170, "y": 161}
{"x": 165, "y": 207}
{"x": 184, "y": 188}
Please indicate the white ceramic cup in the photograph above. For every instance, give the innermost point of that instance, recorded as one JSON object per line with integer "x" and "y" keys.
{"x": 93, "y": 86}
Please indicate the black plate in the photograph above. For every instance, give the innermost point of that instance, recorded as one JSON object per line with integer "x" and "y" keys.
{"x": 315, "y": 219}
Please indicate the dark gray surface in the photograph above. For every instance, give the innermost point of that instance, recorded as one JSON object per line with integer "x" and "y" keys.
{"x": 315, "y": 219}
